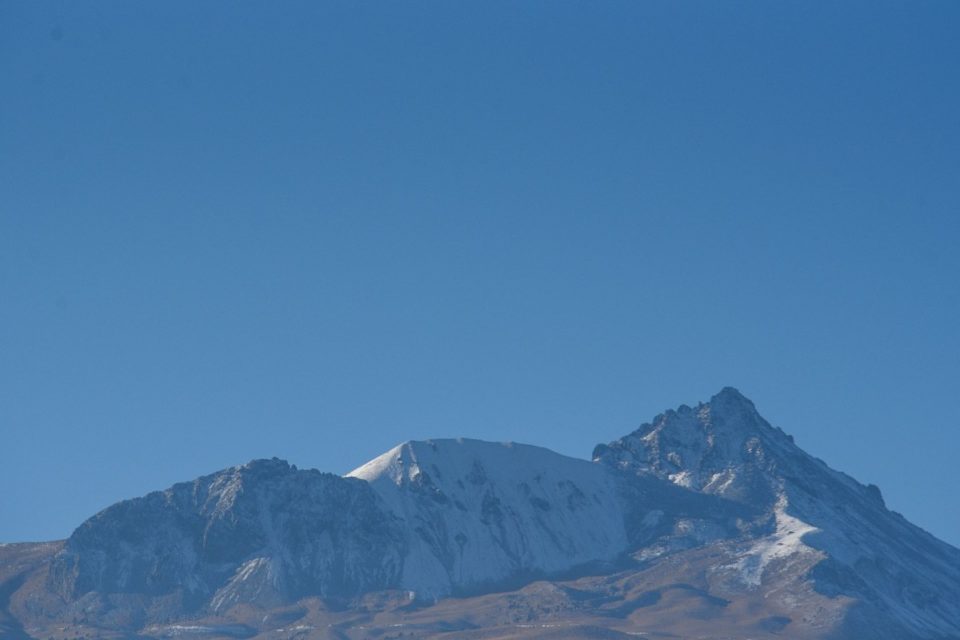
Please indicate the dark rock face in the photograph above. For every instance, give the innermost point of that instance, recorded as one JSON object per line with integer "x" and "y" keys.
{"x": 264, "y": 532}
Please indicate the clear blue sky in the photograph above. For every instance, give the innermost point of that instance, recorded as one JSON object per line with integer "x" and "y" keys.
{"x": 313, "y": 230}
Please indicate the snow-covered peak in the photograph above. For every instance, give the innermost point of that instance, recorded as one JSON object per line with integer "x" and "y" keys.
{"x": 427, "y": 462}
{"x": 724, "y": 447}
{"x": 479, "y": 513}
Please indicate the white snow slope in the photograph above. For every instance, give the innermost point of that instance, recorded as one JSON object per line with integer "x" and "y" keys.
{"x": 478, "y": 513}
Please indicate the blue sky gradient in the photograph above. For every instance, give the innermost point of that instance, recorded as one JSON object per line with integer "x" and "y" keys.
{"x": 314, "y": 230}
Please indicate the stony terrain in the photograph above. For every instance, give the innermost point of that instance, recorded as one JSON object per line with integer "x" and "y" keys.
{"x": 706, "y": 522}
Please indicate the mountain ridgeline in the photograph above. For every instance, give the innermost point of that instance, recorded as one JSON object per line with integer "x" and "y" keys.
{"x": 265, "y": 531}
{"x": 707, "y": 520}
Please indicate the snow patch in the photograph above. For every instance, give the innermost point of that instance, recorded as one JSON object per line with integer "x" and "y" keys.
{"x": 786, "y": 541}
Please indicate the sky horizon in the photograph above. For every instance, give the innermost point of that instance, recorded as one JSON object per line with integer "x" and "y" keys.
{"x": 229, "y": 232}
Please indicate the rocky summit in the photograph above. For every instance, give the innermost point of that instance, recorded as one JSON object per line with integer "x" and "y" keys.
{"x": 706, "y": 522}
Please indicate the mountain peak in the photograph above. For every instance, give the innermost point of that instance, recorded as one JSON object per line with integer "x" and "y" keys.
{"x": 730, "y": 397}
{"x": 809, "y": 512}
{"x": 262, "y": 468}
{"x": 487, "y": 511}
{"x": 722, "y": 446}
{"x": 732, "y": 413}
{"x": 267, "y": 464}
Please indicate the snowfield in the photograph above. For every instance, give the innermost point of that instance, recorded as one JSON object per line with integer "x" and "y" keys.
{"x": 478, "y": 513}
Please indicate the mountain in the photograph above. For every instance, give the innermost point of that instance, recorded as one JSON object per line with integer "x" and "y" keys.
{"x": 706, "y": 522}
{"x": 480, "y": 513}
{"x": 264, "y": 532}
{"x": 858, "y": 548}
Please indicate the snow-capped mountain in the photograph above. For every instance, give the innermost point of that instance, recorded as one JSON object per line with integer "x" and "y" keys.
{"x": 705, "y": 522}
{"x": 853, "y": 544}
{"x": 480, "y": 513}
